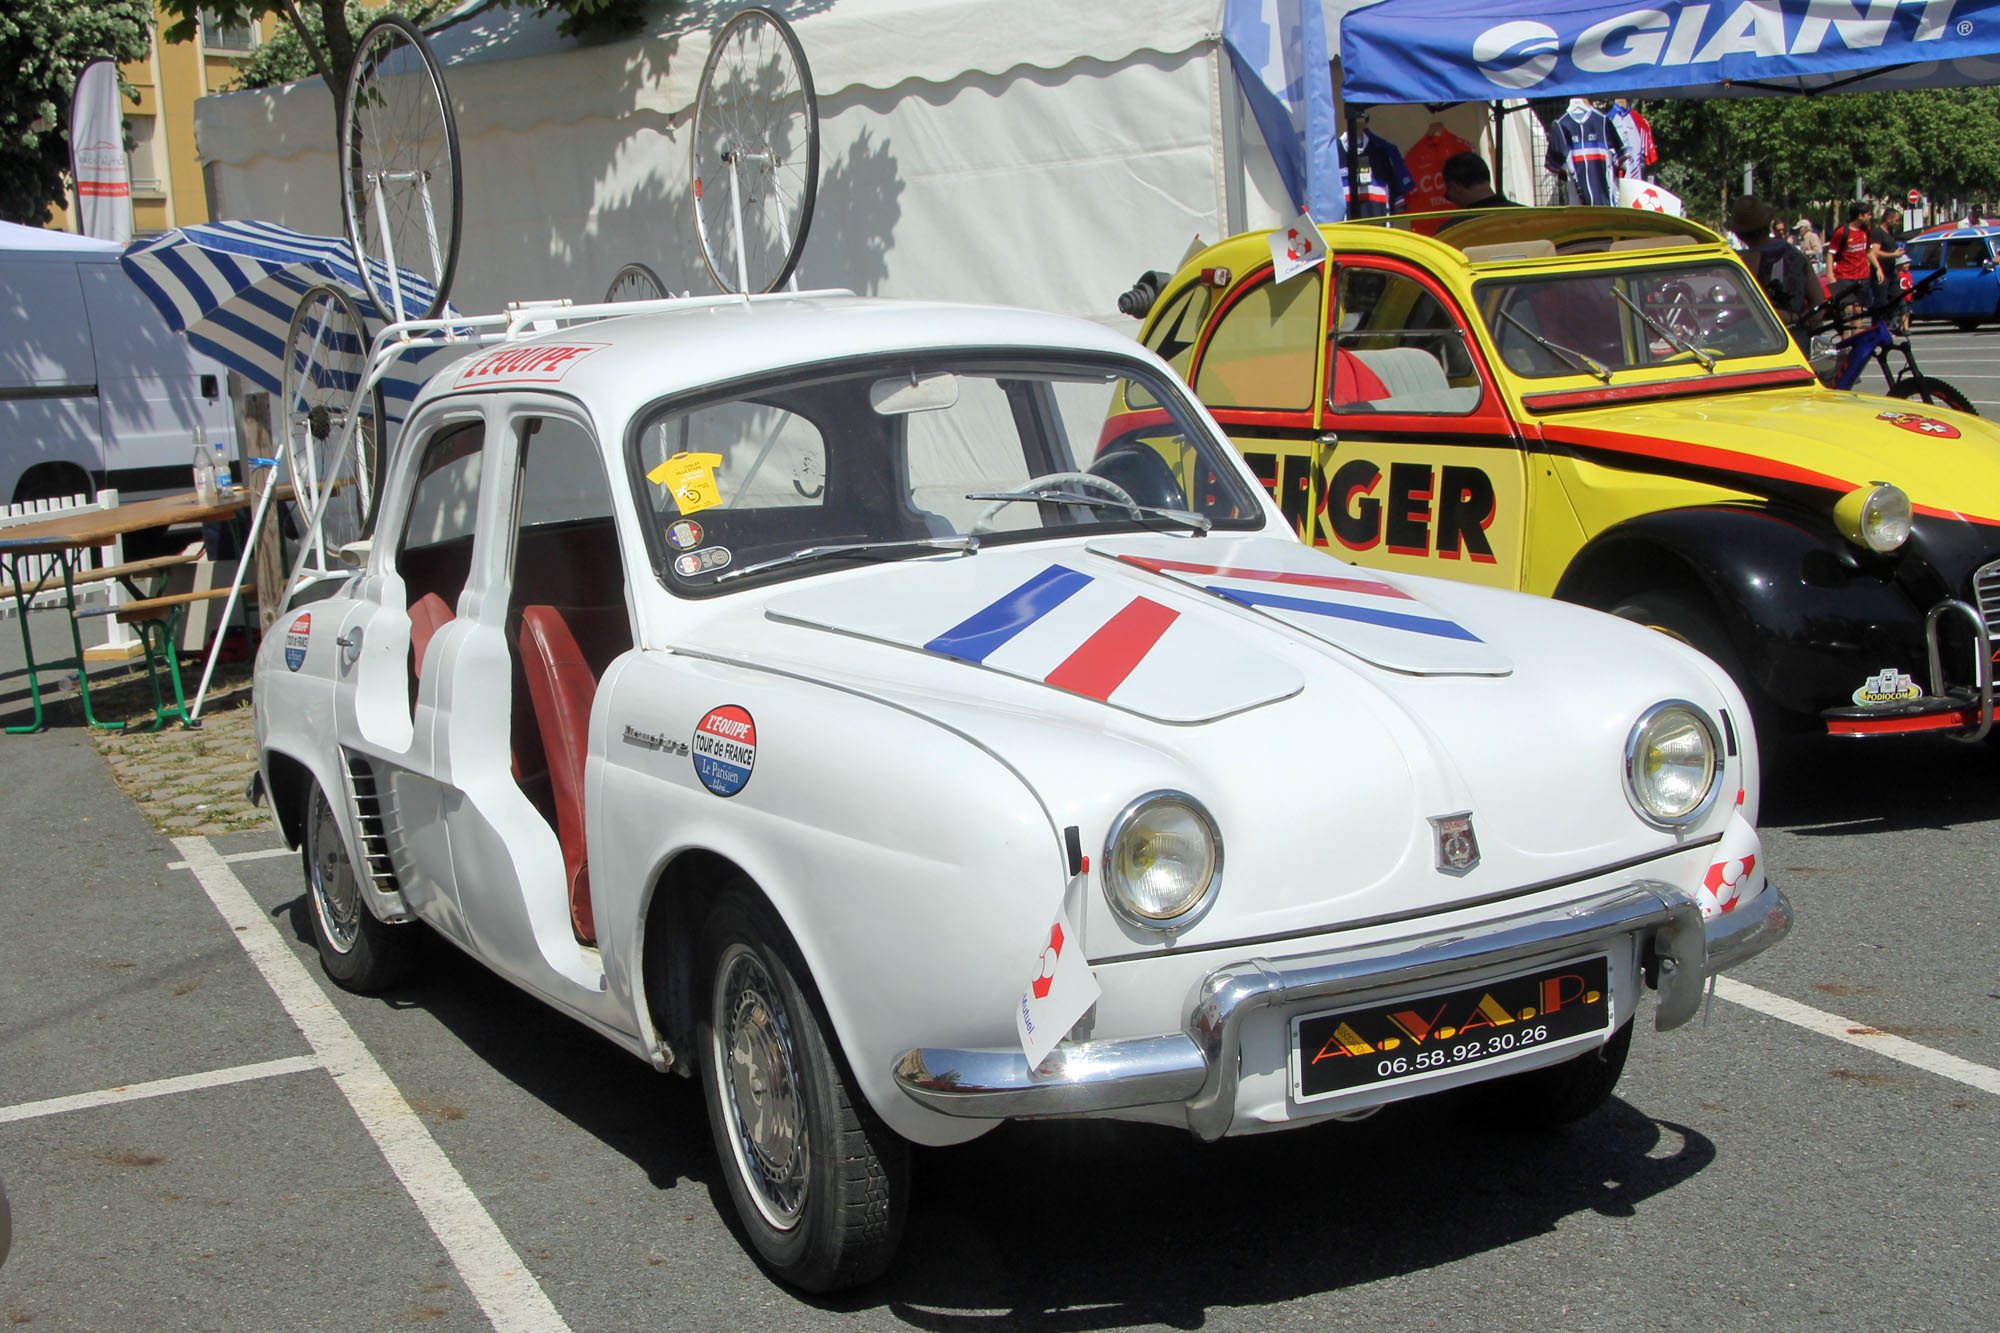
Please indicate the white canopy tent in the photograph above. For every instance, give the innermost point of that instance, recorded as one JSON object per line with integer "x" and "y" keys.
{"x": 1032, "y": 152}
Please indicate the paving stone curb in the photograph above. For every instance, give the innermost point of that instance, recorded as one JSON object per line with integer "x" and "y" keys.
{"x": 185, "y": 779}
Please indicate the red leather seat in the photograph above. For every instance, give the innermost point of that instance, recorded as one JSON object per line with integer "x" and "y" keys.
{"x": 430, "y": 614}
{"x": 562, "y": 682}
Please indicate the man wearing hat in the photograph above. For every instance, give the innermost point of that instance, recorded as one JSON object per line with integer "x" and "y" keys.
{"x": 1777, "y": 265}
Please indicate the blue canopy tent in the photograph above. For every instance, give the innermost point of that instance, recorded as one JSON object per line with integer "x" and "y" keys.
{"x": 1443, "y": 51}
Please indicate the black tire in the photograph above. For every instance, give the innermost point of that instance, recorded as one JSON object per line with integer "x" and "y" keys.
{"x": 361, "y": 954}
{"x": 1935, "y": 392}
{"x": 820, "y": 1184}
{"x": 635, "y": 282}
{"x": 1544, "y": 1099}
{"x": 1965, "y": 325}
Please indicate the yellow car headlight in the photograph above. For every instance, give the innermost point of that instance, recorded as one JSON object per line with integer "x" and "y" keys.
{"x": 1163, "y": 861}
{"x": 1876, "y": 517}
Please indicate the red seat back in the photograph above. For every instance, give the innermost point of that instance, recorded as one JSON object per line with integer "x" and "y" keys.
{"x": 430, "y": 614}
{"x": 562, "y": 682}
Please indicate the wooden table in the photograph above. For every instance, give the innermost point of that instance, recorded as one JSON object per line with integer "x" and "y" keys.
{"x": 69, "y": 537}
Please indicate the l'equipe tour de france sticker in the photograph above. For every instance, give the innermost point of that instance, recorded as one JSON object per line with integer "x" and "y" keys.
{"x": 1887, "y": 686}
{"x": 683, "y": 533}
{"x": 1062, "y": 991}
{"x": 725, "y": 749}
{"x": 691, "y": 480}
{"x": 296, "y": 640}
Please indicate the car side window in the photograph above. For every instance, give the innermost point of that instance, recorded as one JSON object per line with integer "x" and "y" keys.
{"x": 1261, "y": 354}
{"x": 1396, "y": 348}
{"x": 1924, "y": 255}
{"x": 1968, "y": 252}
{"x": 435, "y": 554}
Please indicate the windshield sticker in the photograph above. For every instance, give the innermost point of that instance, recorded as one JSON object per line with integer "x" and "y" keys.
{"x": 701, "y": 562}
{"x": 297, "y": 639}
{"x": 1920, "y": 424}
{"x": 725, "y": 749}
{"x": 690, "y": 478}
{"x": 1887, "y": 686}
{"x": 525, "y": 365}
{"x": 683, "y": 534}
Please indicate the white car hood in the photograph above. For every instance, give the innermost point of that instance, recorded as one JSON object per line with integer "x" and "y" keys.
{"x": 1153, "y": 625}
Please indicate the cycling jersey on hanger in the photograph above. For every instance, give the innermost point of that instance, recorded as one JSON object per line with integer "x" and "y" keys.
{"x": 1636, "y": 137}
{"x": 1385, "y": 181}
{"x": 1426, "y": 160}
{"x": 1584, "y": 149}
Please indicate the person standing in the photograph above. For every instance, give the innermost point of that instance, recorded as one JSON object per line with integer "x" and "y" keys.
{"x": 1854, "y": 267}
{"x": 1892, "y": 255}
{"x": 1811, "y": 244}
{"x": 1775, "y": 262}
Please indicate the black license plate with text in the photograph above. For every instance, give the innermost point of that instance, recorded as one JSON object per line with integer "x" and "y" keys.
{"x": 1402, "y": 1039}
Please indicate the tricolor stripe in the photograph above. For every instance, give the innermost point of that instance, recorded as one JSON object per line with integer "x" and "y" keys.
{"x": 1107, "y": 657}
{"x": 1367, "y": 615}
{"x": 979, "y": 635}
{"x": 1332, "y": 582}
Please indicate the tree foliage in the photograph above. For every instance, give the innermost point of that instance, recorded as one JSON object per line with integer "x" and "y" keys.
{"x": 1942, "y": 142}
{"x": 45, "y": 45}
{"x": 319, "y": 35}
{"x": 284, "y": 55}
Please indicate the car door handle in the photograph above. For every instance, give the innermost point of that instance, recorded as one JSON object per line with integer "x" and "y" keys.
{"x": 348, "y": 641}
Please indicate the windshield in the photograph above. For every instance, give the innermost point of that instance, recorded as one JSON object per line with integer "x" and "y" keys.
{"x": 935, "y": 453}
{"x": 1541, "y": 325}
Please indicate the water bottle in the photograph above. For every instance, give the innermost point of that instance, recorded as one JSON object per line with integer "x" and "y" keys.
{"x": 223, "y": 482}
{"x": 204, "y": 473}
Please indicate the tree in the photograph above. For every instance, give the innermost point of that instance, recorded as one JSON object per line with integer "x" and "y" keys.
{"x": 46, "y": 44}
{"x": 1943, "y": 142}
{"x": 326, "y": 32}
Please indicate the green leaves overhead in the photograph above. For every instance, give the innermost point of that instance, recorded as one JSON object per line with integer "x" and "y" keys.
{"x": 44, "y": 45}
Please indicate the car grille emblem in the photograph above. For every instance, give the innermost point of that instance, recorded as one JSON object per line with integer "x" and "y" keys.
{"x": 1458, "y": 846}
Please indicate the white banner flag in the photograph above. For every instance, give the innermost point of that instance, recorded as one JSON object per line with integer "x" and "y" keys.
{"x": 97, "y": 156}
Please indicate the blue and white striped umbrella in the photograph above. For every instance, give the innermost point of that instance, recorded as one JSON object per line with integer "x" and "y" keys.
{"x": 232, "y": 288}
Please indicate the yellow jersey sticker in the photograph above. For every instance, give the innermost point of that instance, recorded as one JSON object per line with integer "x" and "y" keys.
{"x": 691, "y": 479}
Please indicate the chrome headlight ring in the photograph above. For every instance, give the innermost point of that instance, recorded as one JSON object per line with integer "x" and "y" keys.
{"x": 1162, "y": 826}
{"x": 1675, "y": 738}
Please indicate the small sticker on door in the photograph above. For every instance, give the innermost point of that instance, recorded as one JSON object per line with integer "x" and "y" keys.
{"x": 725, "y": 749}
{"x": 297, "y": 639}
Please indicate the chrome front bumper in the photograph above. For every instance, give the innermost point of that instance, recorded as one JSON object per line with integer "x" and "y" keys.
{"x": 1197, "y": 1067}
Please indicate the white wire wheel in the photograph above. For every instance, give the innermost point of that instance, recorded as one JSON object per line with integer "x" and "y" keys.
{"x": 636, "y": 282}
{"x": 321, "y": 405}
{"x": 402, "y": 188}
{"x": 755, "y": 153}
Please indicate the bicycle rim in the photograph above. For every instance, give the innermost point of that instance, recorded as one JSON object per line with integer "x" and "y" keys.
{"x": 326, "y": 361}
{"x": 754, "y": 147}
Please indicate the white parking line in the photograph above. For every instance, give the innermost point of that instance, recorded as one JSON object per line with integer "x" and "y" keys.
{"x": 160, "y": 1087}
{"x": 1859, "y": 1034}
{"x": 494, "y": 1273}
{"x": 263, "y": 854}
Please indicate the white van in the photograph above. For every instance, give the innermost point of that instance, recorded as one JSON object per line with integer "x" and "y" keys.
{"x": 95, "y": 388}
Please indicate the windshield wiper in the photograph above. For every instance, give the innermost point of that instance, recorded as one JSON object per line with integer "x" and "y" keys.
{"x": 1569, "y": 354}
{"x": 1707, "y": 361}
{"x": 1185, "y": 518}
{"x": 963, "y": 545}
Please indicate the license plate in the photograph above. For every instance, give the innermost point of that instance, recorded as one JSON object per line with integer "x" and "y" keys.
{"x": 1411, "y": 1038}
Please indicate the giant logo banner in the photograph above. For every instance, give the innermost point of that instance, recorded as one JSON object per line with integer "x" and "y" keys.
{"x": 1461, "y": 50}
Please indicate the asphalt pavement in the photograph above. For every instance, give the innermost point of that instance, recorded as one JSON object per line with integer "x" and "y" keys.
{"x": 197, "y": 1131}
{"x": 1969, "y": 362}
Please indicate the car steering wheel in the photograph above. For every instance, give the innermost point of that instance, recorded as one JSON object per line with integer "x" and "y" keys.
{"x": 1088, "y": 481}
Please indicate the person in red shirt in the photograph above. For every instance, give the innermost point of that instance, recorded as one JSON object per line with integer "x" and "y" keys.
{"x": 1855, "y": 269}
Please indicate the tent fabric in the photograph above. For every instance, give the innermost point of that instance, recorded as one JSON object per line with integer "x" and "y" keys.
{"x": 509, "y": 69}
{"x": 232, "y": 288}
{"x": 1479, "y": 50}
{"x": 14, "y": 236}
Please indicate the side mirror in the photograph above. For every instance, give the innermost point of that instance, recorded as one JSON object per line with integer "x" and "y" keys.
{"x": 355, "y": 554}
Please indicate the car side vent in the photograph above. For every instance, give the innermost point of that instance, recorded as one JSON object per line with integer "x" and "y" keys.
{"x": 370, "y": 824}
{"x": 1986, "y": 591}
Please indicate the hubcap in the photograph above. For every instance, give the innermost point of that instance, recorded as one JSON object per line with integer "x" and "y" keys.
{"x": 335, "y": 893}
{"x": 756, "y": 1069}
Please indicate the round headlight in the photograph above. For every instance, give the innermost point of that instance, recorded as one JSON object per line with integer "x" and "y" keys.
{"x": 1876, "y": 517}
{"x": 1671, "y": 764}
{"x": 1162, "y": 861}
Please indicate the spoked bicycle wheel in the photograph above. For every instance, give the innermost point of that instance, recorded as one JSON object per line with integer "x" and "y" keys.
{"x": 326, "y": 362}
{"x": 401, "y": 186}
{"x": 636, "y": 282}
{"x": 755, "y": 153}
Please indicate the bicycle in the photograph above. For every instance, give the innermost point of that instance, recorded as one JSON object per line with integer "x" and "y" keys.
{"x": 1840, "y": 362}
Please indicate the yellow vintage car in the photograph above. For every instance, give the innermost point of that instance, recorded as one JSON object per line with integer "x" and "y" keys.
{"x": 1600, "y": 405}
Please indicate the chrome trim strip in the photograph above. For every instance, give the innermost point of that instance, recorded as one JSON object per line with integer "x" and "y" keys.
{"x": 1749, "y": 930}
{"x": 1982, "y": 664}
{"x": 1198, "y": 1066}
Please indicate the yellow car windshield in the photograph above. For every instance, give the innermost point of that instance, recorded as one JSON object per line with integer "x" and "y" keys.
{"x": 1627, "y": 319}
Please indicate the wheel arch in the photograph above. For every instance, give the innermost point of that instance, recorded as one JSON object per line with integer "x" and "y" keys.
{"x": 678, "y": 900}
{"x": 287, "y": 779}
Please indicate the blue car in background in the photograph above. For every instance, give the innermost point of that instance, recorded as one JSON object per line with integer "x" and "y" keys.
{"x": 1970, "y": 293}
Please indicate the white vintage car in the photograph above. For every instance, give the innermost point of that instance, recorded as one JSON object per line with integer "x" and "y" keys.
{"x": 904, "y": 717}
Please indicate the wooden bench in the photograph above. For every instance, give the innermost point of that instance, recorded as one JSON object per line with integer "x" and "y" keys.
{"x": 160, "y": 608}
{"x": 104, "y": 574}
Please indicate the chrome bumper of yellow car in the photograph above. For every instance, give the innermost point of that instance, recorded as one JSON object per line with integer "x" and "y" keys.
{"x": 1197, "y": 1067}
